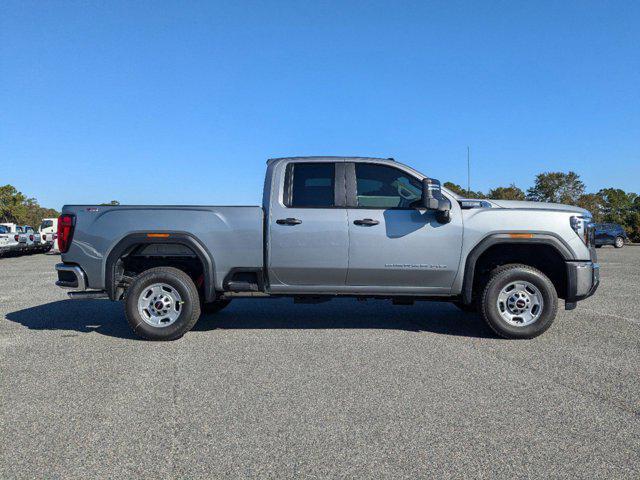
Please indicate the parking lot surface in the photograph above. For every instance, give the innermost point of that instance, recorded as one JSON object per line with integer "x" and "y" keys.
{"x": 269, "y": 389}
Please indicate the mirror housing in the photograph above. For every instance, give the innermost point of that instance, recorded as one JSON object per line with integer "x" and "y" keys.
{"x": 433, "y": 200}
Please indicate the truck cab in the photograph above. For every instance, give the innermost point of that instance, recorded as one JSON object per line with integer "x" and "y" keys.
{"x": 330, "y": 219}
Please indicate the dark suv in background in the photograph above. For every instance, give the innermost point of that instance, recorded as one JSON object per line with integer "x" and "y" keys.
{"x": 610, "y": 234}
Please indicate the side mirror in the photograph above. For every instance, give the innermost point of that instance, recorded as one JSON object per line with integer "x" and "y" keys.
{"x": 432, "y": 199}
{"x": 429, "y": 198}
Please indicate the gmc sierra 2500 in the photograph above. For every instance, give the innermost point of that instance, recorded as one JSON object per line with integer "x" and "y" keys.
{"x": 332, "y": 226}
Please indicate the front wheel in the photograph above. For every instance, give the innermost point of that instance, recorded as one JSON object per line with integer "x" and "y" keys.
{"x": 619, "y": 243}
{"x": 519, "y": 302}
{"x": 162, "y": 304}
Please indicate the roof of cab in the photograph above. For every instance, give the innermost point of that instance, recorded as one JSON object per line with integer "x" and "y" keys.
{"x": 325, "y": 158}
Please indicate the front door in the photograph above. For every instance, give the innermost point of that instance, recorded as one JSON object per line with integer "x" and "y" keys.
{"x": 394, "y": 244}
{"x": 308, "y": 236}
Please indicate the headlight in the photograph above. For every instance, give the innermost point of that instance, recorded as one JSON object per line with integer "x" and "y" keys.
{"x": 584, "y": 228}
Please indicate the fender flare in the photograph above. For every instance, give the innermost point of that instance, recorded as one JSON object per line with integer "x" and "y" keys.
{"x": 181, "y": 238}
{"x": 539, "y": 238}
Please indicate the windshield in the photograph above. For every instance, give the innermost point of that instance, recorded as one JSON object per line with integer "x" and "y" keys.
{"x": 46, "y": 224}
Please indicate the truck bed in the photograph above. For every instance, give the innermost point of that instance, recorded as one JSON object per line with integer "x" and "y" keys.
{"x": 233, "y": 235}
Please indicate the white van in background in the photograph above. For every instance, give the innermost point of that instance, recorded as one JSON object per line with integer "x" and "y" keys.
{"x": 49, "y": 231}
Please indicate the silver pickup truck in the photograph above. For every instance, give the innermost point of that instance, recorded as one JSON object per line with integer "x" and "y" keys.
{"x": 328, "y": 227}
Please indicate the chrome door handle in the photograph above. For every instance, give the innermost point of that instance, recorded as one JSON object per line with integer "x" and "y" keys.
{"x": 366, "y": 222}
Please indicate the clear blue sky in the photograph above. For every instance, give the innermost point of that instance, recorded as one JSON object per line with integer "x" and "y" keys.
{"x": 182, "y": 102}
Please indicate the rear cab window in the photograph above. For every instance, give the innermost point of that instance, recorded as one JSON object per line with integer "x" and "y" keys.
{"x": 310, "y": 185}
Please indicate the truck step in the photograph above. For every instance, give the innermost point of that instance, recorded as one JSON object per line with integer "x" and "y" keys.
{"x": 240, "y": 286}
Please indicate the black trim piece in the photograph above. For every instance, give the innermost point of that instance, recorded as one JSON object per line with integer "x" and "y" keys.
{"x": 543, "y": 238}
{"x": 351, "y": 185}
{"x": 182, "y": 238}
{"x": 288, "y": 182}
{"x": 340, "y": 187}
{"x": 572, "y": 285}
{"x": 228, "y": 280}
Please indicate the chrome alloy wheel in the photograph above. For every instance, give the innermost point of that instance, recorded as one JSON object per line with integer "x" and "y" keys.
{"x": 619, "y": 242}
{"x": 159, "y": 305}
{"x": 520, "y": 303}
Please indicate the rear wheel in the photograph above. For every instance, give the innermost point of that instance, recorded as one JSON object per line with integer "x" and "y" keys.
{"x": 519, "y": 301}
{"x": 619, "y": 243}
{"x": 162, "y": 304}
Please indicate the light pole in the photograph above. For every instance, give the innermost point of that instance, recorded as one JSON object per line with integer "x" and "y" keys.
{"x": 468, "y": 171}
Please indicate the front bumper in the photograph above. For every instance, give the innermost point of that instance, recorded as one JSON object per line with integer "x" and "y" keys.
{"x": 583, "y": 279}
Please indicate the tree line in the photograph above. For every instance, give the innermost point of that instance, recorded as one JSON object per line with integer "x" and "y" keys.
{"x": 608, "y": 205}
{"x": 15, "y": 207}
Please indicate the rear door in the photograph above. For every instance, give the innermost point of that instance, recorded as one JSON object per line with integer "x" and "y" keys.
{"x": 394, "y": 244}
{"x": 308, "y": 238}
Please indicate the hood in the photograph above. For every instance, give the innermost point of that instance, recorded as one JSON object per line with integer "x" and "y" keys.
{"x": 518, "y": 204}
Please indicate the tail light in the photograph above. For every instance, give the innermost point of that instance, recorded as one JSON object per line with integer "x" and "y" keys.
{"x": 31, "y": 238}
{"x": 44, "y": 237}
{"x": 66, "y": 224}
{"x": 16, "y": 238}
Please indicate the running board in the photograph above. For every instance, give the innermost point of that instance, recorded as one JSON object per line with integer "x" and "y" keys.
{"x": 245, "y": 294}
{"x": 88, "y": 295}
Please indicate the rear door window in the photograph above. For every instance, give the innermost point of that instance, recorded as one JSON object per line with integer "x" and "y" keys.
{"x": 311, "y": 185}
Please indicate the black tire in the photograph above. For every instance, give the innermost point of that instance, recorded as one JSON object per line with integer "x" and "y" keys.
{"x": 189, "y": 309}
{"x": 500, "y": 278}
{"x": 215, "y": 307}
{"x": 619, "y": 242}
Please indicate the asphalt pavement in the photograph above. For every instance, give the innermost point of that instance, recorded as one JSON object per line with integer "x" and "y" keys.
{"x": 269, "y": 389}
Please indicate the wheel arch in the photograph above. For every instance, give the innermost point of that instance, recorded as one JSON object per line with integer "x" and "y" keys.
{"x": 127, "y": 243}
{"x": 547, "y": 239}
